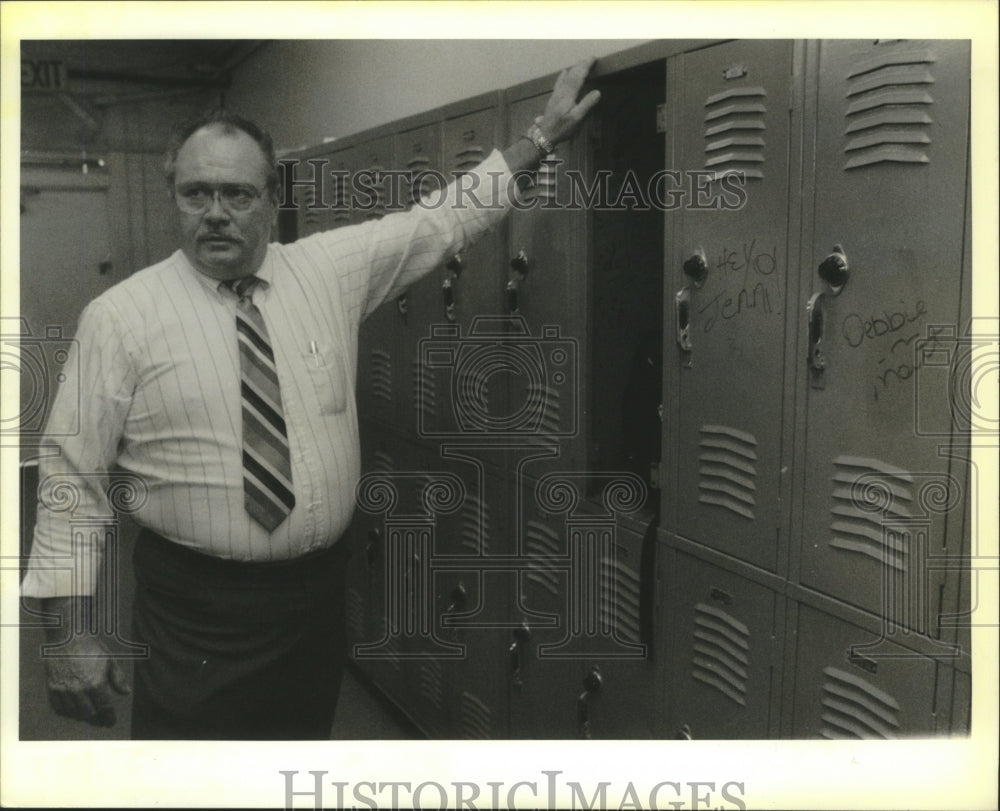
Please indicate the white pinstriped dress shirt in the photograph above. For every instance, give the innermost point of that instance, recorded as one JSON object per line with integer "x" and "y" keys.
{"x": 157, "y": 369}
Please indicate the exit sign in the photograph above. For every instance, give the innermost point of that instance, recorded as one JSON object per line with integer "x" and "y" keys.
{"x": 43, "y": 74}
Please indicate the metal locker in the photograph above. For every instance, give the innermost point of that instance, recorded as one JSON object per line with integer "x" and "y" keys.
{"x": 579, "y": 663}
{"x": 472, "y": 593}
{"x": 885, "y": 346}
{"x": 306, "y": 177}
{"x": 729, "y": 108}
{"x": 381, "y": 379}
{"x": 722, "y": 652}
{"x": 458, "y": 393}
{"x": 621, "y": 697}
{"x": 849, "y": 684}
{"x": 545, "y": 289}
{"x": 388, "y": 505}
{"x": 421, "y": 306}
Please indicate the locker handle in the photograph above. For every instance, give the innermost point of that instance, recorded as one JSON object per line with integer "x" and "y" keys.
{"x": 448, "y": 298}
{"x": 521, "y": 635}
{"x": 455, "y": 265}
{"x": 816, "y": 356}
{"x": 682, "y": 320}
{"x": 519, "y": 269}
{"x": 592, "y": 684}
{"x": 513, "y": 298}
{"x": 458, "y": 596}
{"x": 519, "y": 264}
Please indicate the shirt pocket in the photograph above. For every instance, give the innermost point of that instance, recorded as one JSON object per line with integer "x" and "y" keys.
{"x": 328, "y": 371}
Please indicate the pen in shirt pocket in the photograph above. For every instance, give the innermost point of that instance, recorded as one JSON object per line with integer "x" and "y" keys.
{"x": 314, "y": 354}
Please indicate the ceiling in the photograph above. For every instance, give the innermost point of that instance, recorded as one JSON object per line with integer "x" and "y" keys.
{"x": 123, "y": 94}
{"x": 165, "y": 63}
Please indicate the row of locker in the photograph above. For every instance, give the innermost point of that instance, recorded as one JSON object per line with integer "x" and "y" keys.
{"x": 771, "y": 364}
{"x": 484, "y": 612}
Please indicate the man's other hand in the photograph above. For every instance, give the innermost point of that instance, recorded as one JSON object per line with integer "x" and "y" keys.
{"x": 83, "y": 678}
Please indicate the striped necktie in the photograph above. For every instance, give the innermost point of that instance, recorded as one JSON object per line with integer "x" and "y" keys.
{"x": 267, "y": 470}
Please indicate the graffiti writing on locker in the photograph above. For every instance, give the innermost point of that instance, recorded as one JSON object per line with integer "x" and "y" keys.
{"x": 897, "y": 329}
{"x": 752, "y": 289}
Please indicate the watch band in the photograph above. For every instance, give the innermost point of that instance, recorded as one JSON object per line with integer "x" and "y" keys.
{"x": 542, "y": 144}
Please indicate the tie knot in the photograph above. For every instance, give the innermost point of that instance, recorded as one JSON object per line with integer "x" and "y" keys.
{"x": 244, "y": 287}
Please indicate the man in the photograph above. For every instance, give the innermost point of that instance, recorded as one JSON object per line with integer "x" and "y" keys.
{"x": 223, "y": 378}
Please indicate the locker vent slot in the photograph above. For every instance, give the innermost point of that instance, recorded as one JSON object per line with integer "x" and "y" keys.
{"x": 727, "y": 469}
{"x": 861, "y": 506}
{"x": 475, "y": 525}
{"x": 549, "y": 401}
{"x": 380, "y": 372}
{"x": 734, "y": 132}
{"x": 355, "y": 614}
{"x": 420, "y": 184}
{"x": 378, "y": 209}
{"x": 853, "y": 708}
{"x": 543, "y": 187}
{"x": 720, "y": 652}
{"x": 383, "y": 462}
{"x": 542, "y": 548}
{"x": 431, "y": 687}
{"x": 425, "y": 384}
{"x": 389, "y": 650}
{"x": 311, "y": 217}
{"x": 476, "y": 718}
{"x": 621, "y": 613}
{"x": 469, "y": 157}
{"x": 888, "y": 102}
{"x": 341, "y": 203}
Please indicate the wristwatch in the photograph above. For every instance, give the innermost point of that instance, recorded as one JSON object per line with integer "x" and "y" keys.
{"x": 542, "y": 144}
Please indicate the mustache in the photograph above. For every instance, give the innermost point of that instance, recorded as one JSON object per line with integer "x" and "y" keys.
{"x": 213, "y": 236}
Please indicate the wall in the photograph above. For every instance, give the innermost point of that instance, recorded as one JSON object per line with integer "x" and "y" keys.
{"x": 305, "y": 90}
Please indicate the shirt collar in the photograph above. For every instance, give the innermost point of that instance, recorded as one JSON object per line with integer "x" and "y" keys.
{"x": 265, "y": 273}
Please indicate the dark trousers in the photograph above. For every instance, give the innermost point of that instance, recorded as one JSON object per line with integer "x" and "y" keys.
{"x": 237, "y": 651}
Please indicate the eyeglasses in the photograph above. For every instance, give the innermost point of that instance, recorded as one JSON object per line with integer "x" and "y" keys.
{"x": 197, "y": 198}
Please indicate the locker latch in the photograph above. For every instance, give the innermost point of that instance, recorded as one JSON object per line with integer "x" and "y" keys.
{"x": 696, "y": 269}
{"x": 682, "y": 322}
{"x": 592, "y": 684}
{"x": 459, "y": 595}
{"x": 448, "y": 297}
{"x": 454, "y": 269}
{"x": 816, "y": 356}
{"x": 521, "y": 635}
{"x": 835, "y": 271}
{"x": 519, "y": 269}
